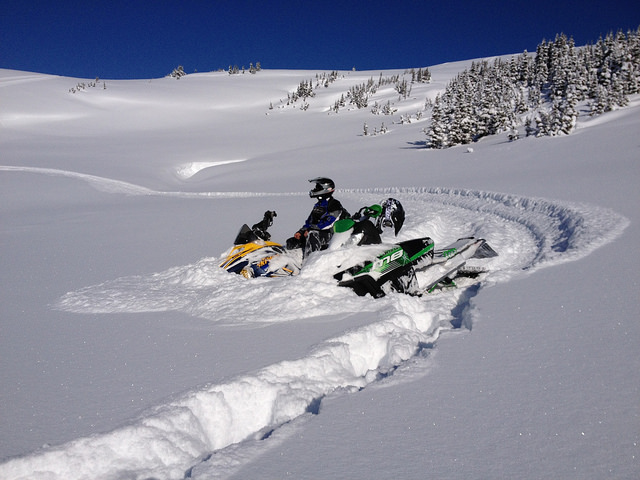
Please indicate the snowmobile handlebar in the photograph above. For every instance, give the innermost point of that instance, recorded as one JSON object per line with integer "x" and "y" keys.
{"x": 260, "y": 228}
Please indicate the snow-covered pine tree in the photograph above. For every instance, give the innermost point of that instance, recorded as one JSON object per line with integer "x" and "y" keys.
{"x": 178, "y": 72}
{"x": 436, "y": 132}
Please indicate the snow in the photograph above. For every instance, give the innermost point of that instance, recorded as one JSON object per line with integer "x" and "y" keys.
{"x": 128, "y": 353}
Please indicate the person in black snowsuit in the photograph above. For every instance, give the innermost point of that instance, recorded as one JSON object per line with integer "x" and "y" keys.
{"x": 318, "y": 229}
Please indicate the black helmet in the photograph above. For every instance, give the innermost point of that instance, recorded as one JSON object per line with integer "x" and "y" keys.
{"x": 324, "y": 187}
{"x": 392, "y": 215}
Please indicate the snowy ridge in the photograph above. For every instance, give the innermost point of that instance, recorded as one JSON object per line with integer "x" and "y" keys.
{"x": 109, "y": 185}
{"x": 188, "y": 170}
{"x": 102, "y": 184}
{"x": 168, "y": 440}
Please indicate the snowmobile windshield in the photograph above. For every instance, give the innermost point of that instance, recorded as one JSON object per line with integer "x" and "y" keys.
{"x": 391, "y": 216}
{"x": 245, "y": 235}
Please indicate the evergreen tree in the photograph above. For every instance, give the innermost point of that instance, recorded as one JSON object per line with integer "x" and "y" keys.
{"x": 178, "y": 72}
{"x": 436, "y": 132}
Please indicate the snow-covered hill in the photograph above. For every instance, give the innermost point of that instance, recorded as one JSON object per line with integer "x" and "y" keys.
{"x": 127, "y": 353}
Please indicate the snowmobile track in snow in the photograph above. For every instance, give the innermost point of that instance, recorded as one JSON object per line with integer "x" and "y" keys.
{"x": 174, "y": 438}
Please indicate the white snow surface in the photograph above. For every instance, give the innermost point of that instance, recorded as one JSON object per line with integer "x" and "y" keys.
{"x": 127, "y": 353}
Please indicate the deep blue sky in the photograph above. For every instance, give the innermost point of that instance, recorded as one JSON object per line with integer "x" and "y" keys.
{"x": 115, "y": 39}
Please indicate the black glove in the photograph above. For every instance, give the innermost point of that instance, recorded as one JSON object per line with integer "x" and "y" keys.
{"x": 268, "y": 217}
